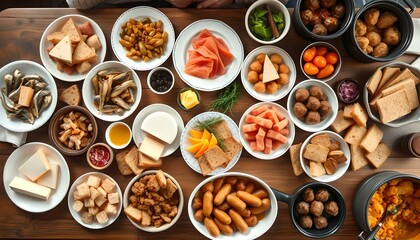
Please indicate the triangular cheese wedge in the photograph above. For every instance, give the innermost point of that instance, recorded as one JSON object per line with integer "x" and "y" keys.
{"x": 83, "y": 53}
{"x": 63, "y": 51}
{"x": 73, "y": 31}
{"x": 269, "y": 72}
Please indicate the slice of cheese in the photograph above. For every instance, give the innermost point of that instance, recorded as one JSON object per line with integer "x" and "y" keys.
{"x": 50, "y": 178}
{"x": 161, "y": 125}
{"x": 25, "y": 96}
{"x": 269, "y": 73}
{"x": 35, "y": 166}
{"x": 152, "y": 148}
{"x": 29, "y": 188}
{"x": 72, "y": 30}
{"x": 63, "y": 51}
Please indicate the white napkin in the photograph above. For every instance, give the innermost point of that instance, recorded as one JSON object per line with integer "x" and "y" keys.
{"x": 15, "y": 138}
{"x": 414, "y": 47}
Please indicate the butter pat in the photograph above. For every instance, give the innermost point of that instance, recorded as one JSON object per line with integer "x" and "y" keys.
{"x": 50, "y": 178}
{"x": 269, "y": 72}
{"x": 160, "y": 125}
{"x": 152, "y": 148}
{"x": 35, "y": 166}
{"x": 29, "y": 188}
{"x": 189, "y": 99}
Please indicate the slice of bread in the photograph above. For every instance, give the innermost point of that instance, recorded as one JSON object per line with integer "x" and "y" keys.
{"x": 221, "y": 130}
{"x": 372, "y": 138}
{"x": 340, "y": 123}
{"x": 355, "y": 134}
{"x": 232, "y": 147}
{"x": 215, "y": 157}
{"x": 122, "y": 165}
{"x": 131, "y": 158}
{"x": 316, "y": 153}
{"x": 321, "y": 139}
{"x": 379, "y": 155}
{"x": 316, "y": 169}
{"x": 347, "y": 110}
{"x": 294, "y": 158}
{"x": 404, "y": 74}
{"x": 71, "y": 95}
{"x": 359, "y": 114}
{"x": 393, "y": 106}
{"x": 374, "y": 81}
{"x": 358, "y": 159}
{"x": 147, "y": 162}
{"x": 204, "y": 165}
{"x": 387, "y": 74}
{"x": 409, "y": 86}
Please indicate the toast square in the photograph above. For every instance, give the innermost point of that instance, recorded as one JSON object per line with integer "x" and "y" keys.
{"x": 359, "y": 114}
{"x": 387, "y": 74}
{"x": 347, "y": 110}
{"x": 71, "y": 95}
{"x": 379, "y": 155}
{"x": 204, "y": 165}
{"x": 233, "y": 147}
{"x": 340, "y": 123}
{"x": 358, "y": 159}
{"x": 372, "y": 138}
{"x": 131, "y": 159}
{"x": 294, "y": 151}
{"x": 355, "y": 134}
{"x": 222, "y": 130}
{"x": 393, "y": 106}
{"x": 409, "y": 86}
{"x": 315, "y": 152}
{"x": 122, "y": 165}
{"x": 316, "y": 169}
{"x": 374, "y": 81}
{"x": 215, "y": 157}
{"x": 321, "y": 139}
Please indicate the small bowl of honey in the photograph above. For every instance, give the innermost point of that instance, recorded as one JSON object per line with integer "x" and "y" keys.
{"x": 118, "y": 135}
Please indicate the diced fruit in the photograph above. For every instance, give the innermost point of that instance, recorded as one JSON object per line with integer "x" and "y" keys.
{"x": 206, "y": 135}
{"x": 195, "y": 133}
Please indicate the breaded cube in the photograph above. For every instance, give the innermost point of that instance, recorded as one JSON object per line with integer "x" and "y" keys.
{"x": 87, "y": 217}
{"x": 392, "y": 36}
{"x": 93, "y": 181}
{"x": 83, "y": 190}
{"x": 102, "y": 217}
{"x": 253, "y": 76}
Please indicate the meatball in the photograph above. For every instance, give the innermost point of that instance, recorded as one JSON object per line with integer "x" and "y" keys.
{"x": 381, "y": 50}
{"x": 322, "y": 13}
{"x": 371, "y": 16}
{"x": 283, "y": 68}
{"x": 252, "y": 76}
{"x": 320, "y": 29}
{"x": 302, "y": 208}
{"x": 331, "y": 208}
{"x": 360, "y": 29}
{"x": 317, "y": 92}
{"x": 312, "y": 117}
{"x": 328, "y": 3}
{"x": 331, "y": 23}
{"x": 363, "y": 43}
{"x": 308, "y": 195}
{"x": 276, "y": 58}
{"x": 260, "y": 58}
{"x": 311, "y": 4}
{"x": 320, "y": 222}
{"x": 259, "y": 87}
{"x": 301, "y": 94}
{"x": 313, "y": 103}
{"x": 324, "y": 109}
{"x": 317, "y": 208}
{"x": 386, "y": 20}
{"x": 322, "y": 195}
{"x": 300, "y": 110}
{"x": 338, "y": 11}
{"x": 392, "y": 36}
{"x": 256, "y": 66}
{"x": 316, "y": 19}
{"x": 306, "y": 16}
{"x": 374, "y": 38}
{"x": 305, "y": 221}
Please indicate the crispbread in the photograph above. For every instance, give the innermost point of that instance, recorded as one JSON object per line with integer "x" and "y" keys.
{"x": 347, "y": 110}
{"x": 374, "y": 81}
{"x": 83, "y": 53}
{"x": 372, "y": 138}
{"x": 404, "y": 74}
{"x": 232, "y": 147}
{"x": 147, "y": 162}
{"x": 294, "y": 158}
{"x": 388, "y": 74}
{"x": 355, "y": 134}
{"x": 321, "y": 139}
{"x": 122, "y": 165}
{"x": 393, "y": 106}
{"x": 315, "y": 152}
{"x": 71, "y": 95}
{"x": 222, "y": 130}
{"x": 379, "y": 155}
{"x": 204, "y": 165}
{"x": 358, "y": 159}
{"x": 215, "y": 157}
{"x": 409, "y": 86}
{"x": 131, "y": 158}
{"x": 316, "y": 169}
{"x": 359, "y": 114}
{"x": 340, "y": 123}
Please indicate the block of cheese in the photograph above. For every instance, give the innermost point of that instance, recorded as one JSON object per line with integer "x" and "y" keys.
{"x": 152, "y": 148}
{"x": 50, "y": 178}
{"x": 25, "y": 96}
{"x": 29, "y": 188}
{"x": 269, "y": 72}
{"x": 35, "y": 166}
{"x": 63, "y": 51}
{"x": 161, "y": 125}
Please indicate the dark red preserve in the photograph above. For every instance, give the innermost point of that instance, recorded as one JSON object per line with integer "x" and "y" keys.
{"x": 99, "y": 156}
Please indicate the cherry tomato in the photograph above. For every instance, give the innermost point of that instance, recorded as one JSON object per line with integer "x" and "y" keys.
{"x": 310, "y": 68}
{"x": 326, "y": 71}
{"x": 319, "y": 61}
{"x": 321, "y": 51}
{"x": 331, "y": 57}
{"x": 309, "y": 54}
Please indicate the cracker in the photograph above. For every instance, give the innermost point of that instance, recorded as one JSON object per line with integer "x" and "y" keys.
{"x": 358, "y": 159}
{"x": 374, "y": 81}
{"x": 215, "y": 157}
{"x": 340, "y": 123}
{"x": 321, "y": 139}
{"x": 372, "y": 138}
{"x": 316, "y": 169}
{"x": 232, "y": 147}
{"x": 355, "y": 134}
{"x": 359, "y": 114}
{"x": 204, "y": 165}
{"x": 295, "y": 159}
{"x": 122, "y": 165}
{"x": 347, "y": 110}
{"x": 393, "y": 106}
{"x": 131, "y": 158}
{"x": 379, "y": 155}
{"x": 409, "y": 86}
{"x": 222, "y": 130}
{"x": 315, "y": 152}
{"x": 404, "y": 74}
{"x": 387, "y": 74}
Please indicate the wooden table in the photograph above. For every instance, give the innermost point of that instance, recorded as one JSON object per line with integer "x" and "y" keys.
{"x": 21, "y": 30}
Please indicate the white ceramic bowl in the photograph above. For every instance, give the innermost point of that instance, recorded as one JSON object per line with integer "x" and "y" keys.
{"x": 253, "y": 232}
{"x": 149, "y": 76}
{"x": 332, "y": 99}
{"x": 275, "y": 6}
{"x": 279, "y": 151}
{"x": 108, "y": 137}
{"x": 164, "y": 226}
{"x": 56, "y": 26}
{"x": 87, "y": 91}
{"x": 77, "y": 215}
{"x": 284, "y": 90}
{"x": 341, "y": 168}
{"x": 28, "y": 67}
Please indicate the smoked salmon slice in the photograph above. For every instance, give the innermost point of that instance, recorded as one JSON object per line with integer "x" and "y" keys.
{"x": 210, "y": 56}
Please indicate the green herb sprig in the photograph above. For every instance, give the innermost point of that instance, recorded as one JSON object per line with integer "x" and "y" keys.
{"x": 226, "y": 99}
{"x": 208, "y": 124}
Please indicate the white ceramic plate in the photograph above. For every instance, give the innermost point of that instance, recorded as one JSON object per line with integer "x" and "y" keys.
{"x": 189, "y": 158}
{"x": 17, "y": 158}
{"x": 87, "y": 91}
{"x": 77, "y": 216}
{"x": 279, "y": 151}
{"x": 28, "y": 67}
{"x": 138, "y": 13}
{"x": 220, "y": 30}
{"x": 56, "y": 26}
{"x": 139, "y": 135}
{"x": 284, "y": 90}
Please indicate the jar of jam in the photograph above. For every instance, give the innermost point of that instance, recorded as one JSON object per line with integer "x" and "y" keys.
{"x": 99, "y": 156}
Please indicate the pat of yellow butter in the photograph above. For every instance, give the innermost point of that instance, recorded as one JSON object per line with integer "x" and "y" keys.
{"x": 189, "y": 99}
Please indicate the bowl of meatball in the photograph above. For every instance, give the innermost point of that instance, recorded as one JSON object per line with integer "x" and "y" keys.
{"x": 317, "y": 209}
{"x": 322, "y": 19}
{"x": 380, "y": 32}
{"x": 313, "y": 105}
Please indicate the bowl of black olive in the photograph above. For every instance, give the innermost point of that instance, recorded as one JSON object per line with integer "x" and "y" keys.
{"x": 160, "y": 80}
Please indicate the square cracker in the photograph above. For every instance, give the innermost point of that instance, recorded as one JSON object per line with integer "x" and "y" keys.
{"x": 355, "y": 134}
{"x": 315, "y": 152}
{"x": 379, "y": 155}
{"x": 122, "y": 165}
{"x": 393, "y": 106}
{"x": 294, "y": 151}
{"x": 215, "y": 157}
{"x": 204, "y": 165}
{"x": 409, "y": 86}
{"x": 321, "y": 139}
{"x": 372, "y": 138}
{"x": 233, "y": 147}
{"x": 359, "y": 114}
{"x": 358, "y": 159}
{"x": 340, "y": 123}
{"x": 374, "y": 81}
{"x": 316, "y": 169}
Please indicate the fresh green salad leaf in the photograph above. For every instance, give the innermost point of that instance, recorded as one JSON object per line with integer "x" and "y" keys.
{"x": 279, "y": 20}
{"x": 259, "y": 23}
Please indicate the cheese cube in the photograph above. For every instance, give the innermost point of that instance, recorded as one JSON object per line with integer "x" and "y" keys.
{"x": 29, "y": 188}
{"x": 50, "y": 178}
{"x": 83, "y": 190}
{"x": 160, "y": 125}
{"x": 93, "y": 181}
{"x": 35, "y": 166}
{"x": 93, "y": 210}
{"x": 111, "y": 209}
{"x": 152, "y": 148}
{"x": 88, "y": 202}
{"x": 77, "y": 206}
{"x": 94, "y": 193}
{"x": 102, "y": 217}
{"x": 113, "y": 198}
{"x": 102, "y": 191}
{"x": 99, "y": 200}
{"x": 108, "y": 185}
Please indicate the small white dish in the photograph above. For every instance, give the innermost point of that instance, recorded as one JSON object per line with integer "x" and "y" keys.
{"x": 108, "y": 135}
{"x": 149, "y": 80}
{"x": 189, "y": 157}
{"x": 56, "y": 26}
{"x": 17, "y": 158}
{"x": 77, "y": 215}
{"x": 139, "y": 135}
{"x": 183, "y": 44}
{"x": 138, "y": 13}
{"x": 341, "y": 168}
{"x": 284, "y": 90}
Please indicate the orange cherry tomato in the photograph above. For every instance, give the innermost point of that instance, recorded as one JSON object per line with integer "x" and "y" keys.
{"x": 320, "y": 61}
{"x": 310, "y": 68}
{"x": 309, "y": 54}
{"x": 331, "y": 57}
{"x": 326, "y": 71}
{"x": 321, "y": 51}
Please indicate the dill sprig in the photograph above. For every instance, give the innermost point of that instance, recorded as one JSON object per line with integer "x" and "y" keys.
{"x": 226, "y": 98}
{"x": 208, "y": 124}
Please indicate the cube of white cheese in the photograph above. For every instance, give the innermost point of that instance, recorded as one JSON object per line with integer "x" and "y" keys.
{"x": 160, "y": 125}
{"x": 35, "y": 166}
{"x": 152, "y": 148}
{"x": 83, "y": 190}
{"x": 111, "y": 209}
{"x": 108, "y": 185}
{"x": 50, "y": 178}
{"x": 77, "y": 206}
{"x": 94, "y": 181}
{"x": 29, "y": 188}
{"x": 113, "y": 198}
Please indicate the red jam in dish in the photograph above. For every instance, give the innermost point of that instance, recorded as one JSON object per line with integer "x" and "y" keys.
{"x": 99, "y": 156}
{"x": 348, "y": 90}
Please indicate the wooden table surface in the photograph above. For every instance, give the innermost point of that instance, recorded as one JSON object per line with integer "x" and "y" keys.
{"x": 21, "y": 30}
